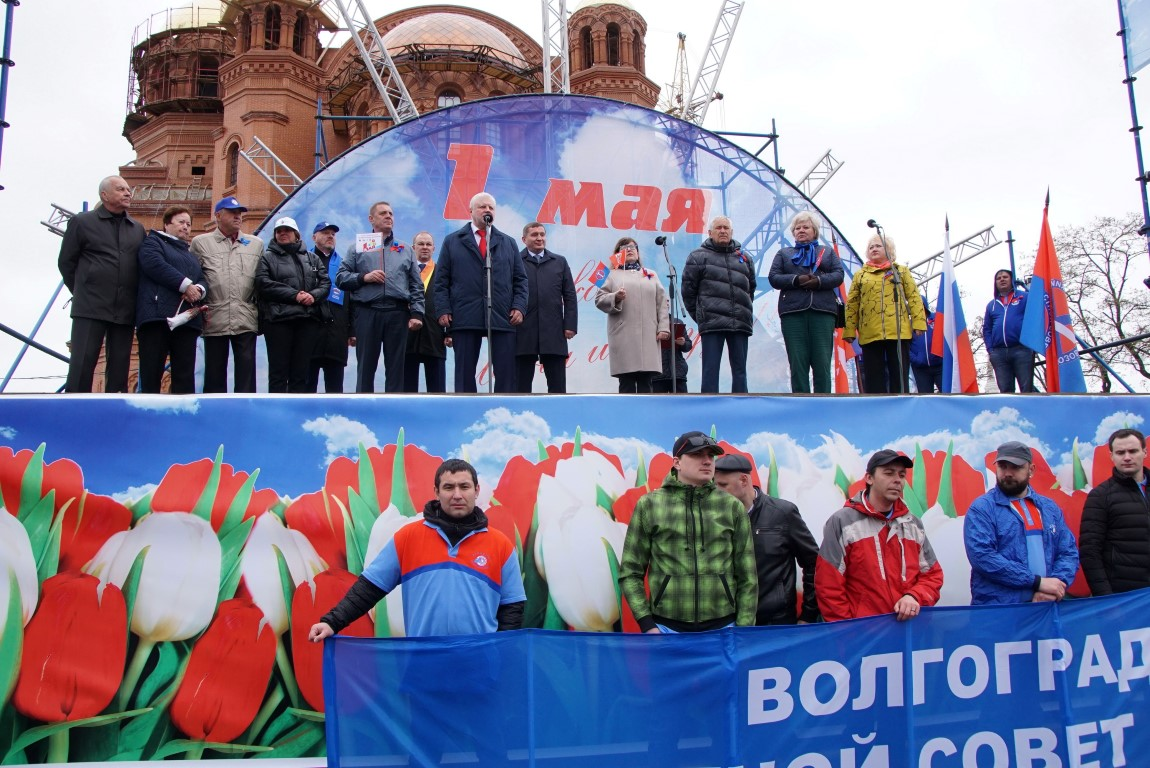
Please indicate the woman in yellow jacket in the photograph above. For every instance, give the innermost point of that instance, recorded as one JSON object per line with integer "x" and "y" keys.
{"x": 883, "y": 317}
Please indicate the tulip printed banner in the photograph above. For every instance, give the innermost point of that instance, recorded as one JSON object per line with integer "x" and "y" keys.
{"x": 161, "y": 558}
{"x": 1024, "y": 685}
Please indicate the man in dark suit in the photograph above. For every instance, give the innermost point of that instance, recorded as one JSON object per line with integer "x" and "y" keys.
{"x": 552, "y": 316}
{"x": 460, "y": 291}
{"x": 426, "y": 345}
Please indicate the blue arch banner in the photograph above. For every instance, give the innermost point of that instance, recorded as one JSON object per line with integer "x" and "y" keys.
{"x": 592, "y": 170}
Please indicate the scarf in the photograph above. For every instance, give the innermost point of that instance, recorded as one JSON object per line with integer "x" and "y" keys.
{"x": 336, "y": 295}
{"x": 454, "y": 528}
{"x": 805, "y": 255}
{"x": 636, "y": 267}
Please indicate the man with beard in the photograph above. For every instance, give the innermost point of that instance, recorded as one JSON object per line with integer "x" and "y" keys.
{"x": 1018, "y": 544}
{"x": 1115, "y": 536}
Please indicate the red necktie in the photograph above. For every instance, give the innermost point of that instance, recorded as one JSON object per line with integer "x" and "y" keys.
{"x": 483, "y": 243}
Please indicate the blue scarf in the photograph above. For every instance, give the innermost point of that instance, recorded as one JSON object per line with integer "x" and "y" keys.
{"x": 805, "y": 255}
{"x": 336, "y": 295}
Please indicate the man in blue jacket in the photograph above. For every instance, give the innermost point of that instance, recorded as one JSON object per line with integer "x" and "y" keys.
{"x": 460, "y": 291}
{"x": 1001, "y": 327}
{"x": 1019, "y": 547}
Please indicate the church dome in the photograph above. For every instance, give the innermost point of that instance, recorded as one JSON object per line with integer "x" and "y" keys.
{"x": 451, "y": 30}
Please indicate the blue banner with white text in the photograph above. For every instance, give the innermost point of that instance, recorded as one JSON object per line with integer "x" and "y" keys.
{"x": 1028, "y": 685}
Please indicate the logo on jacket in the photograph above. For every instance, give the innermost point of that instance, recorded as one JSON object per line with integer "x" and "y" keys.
{"x": 481, "y": 561}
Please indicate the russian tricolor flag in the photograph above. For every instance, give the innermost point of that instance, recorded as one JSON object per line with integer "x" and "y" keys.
{"x": 953, "y": 343}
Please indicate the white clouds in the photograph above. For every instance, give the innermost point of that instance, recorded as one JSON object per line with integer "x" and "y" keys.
{"x": 134, "y": 493}
{"x": 342, "y": 435}
{"x": 499, "y": 435}
{"x": 8, "y": 433}
{"x": 164, "y": 403}
{"x": 631, "y": 450}
{"x": 1114, "y": 422}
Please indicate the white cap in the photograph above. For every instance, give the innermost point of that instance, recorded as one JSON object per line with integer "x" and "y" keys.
{"x": 286, "y": 221}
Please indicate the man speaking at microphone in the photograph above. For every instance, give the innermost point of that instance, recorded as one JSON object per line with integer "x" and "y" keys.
{"x": 460, "y": 289}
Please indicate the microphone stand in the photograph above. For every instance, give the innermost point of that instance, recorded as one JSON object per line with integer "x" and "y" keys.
{"x": 672, "y": 276}
{"x": 487, "y": 274}
{"x": 899, "y": 298}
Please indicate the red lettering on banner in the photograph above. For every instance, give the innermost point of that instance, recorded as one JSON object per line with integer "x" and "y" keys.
{"x": 637, "y": 214}
{"x": 597, "y": 354}
{"x": 685, "y": 208}
{"x": 469, "y": 178}
{"x": 572, "y": 207}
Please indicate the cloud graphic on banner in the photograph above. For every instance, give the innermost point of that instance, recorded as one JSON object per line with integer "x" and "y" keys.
{"x": 342, "y": 435}
{"x": 8, "y": 432}
{"x": 628, "y": 449}
{"x": 164, "y": 403}
{"x": 1115, "y": 422}
{"x": 501, "y": 434}
{"x": 134, "y": 493}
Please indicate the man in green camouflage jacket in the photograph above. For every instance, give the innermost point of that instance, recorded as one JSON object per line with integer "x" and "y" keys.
{"x": 692, "y": 542}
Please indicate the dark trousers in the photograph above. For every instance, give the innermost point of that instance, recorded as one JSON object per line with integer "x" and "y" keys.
{"x": 736, "y": 344}
{"x": 637, "y": 382}
{"x": 381, "y": 329}
{"x": 664, "y": 385}
{"x": 243, "y": 347}
{"x": 434, "y": 373}
{"x": 810, "y": 339}
{"x": 158, "y": 342}
{"x": 290, "y": 344}
{"x": 1011, "y": 364}
{"x": 88, "y": 336}
{"x": 927, "y": 378}
{"x": 554, "y": 368}
{"x": 880, "y": 367}
{"x": 467, "y": 344}
{"x": 332, "y": 375}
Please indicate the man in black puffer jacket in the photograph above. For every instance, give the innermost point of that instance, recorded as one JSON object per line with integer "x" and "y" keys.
{"x": 719, "y": 291}
{"x": 1114, "y": 540}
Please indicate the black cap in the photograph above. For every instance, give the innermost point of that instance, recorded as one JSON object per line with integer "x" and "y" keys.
{"x": 733, "y": 462}
{"x": 887, "y": 456}
{"x": 693, "y": 442}
{"x": 1015, "y": 453}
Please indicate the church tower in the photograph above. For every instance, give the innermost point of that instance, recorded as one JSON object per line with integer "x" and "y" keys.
{"x": 608, "y": 53}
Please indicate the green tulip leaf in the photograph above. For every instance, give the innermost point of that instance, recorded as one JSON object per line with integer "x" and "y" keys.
{"x": 48, "y": 558}
{"x": 773, "y": 474}
{"x": 11, "y": 637}
{"x": 533, "y": 584}
{"x": 613, "y": 564}
{"x": 604, "y": 501}
{"x": 235, "y": 514}
{"x": 367, "y": 488}
{"x": 180, "y": 746}
{"x": 131, "y": 586}
{"x": 641, "y": 472}
{"x": 203, "y": 507}
{"x": 169, "y": 663}
{"x": 33, "y": 735}
{"x": 542, "y": 449}
{"x": 918, "y": 488}
{"x": 231, "y": 561}
{"x": 140, "y": 507}
{"x": 350, "y": 541}
{"x": 278, "y": 727}
{"x": 300, "y": 741}
{"x": 307, "y": 714}
{"x": 362, "y": 517}
{"x": 400, "y": 493}
{"x": 287, "y": 584}
{"x": 31, "y": 485}
{"x": 553, "y": 619}
{"x": 382, "y": 622}
{"x": 578, "y": 449}
{"x": 38, "y": 523}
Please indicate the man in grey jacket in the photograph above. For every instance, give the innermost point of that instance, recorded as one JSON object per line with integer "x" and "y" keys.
{"x": 98, "y": 264}
{"x": 388, "y": 296}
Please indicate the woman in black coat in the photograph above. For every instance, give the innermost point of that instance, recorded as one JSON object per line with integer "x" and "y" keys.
{"x": 807, "y": 277}
{"x": 293, "y": 286}
{"x": 171, "y": 281}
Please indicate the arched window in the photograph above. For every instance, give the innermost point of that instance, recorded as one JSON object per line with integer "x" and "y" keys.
{"x": 244, "y": 36}
{"x": 613, "y": 45}
{"x": 233, "y": 164}
{"x": 449, "y": 98}
{"x": 588, "y": 48}
{"x": 637, "y": 53}
{"x": 298, "y": 33}
{"x": 208, "y": 77}
{"x": 272, "y": 28}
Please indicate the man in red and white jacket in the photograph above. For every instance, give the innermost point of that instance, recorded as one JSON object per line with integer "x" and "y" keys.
{"x": 875, "y": 557}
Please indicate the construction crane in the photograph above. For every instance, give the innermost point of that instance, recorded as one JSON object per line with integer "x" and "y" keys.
{"x": 556, "y": 56}
{"x": 675, "y": 102}
{"x": 691, "y": 104}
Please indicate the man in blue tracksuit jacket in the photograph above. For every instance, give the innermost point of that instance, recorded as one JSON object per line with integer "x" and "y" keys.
{"x": 1019, "y": 547}
{"x": 1001, "y": 327}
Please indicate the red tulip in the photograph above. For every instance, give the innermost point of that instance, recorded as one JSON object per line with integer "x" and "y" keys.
{"x": 310, "y": 602}
{"x": 319, "y": 517}
{"x": 74, "y": 650}
{"x": 87, "y": 524}
{"x": 184, "y": 484}
{"x": 418, "y": 475}
{"x": 227, "y": 674}
{"x": 63, "y": 476}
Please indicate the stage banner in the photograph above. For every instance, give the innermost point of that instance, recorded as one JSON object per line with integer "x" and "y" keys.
{"x": 591, "y": 170}
{"x": 162, "y": 558}
{"x": 1030, "y": 685}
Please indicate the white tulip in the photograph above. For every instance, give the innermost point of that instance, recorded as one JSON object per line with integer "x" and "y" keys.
{"x": 180, "y": 581}
{"x": 382, "y": 531}
{"x": 17, "y": 562}
{"x": 260, "y": 566}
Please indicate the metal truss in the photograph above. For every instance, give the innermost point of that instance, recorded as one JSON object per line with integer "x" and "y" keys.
{"x": 380, "y": 66}
{"x": 964, "y": 250}
{"x": 703, "y": 87}
{"x": 268, "y": 165}
{"x": 556, "y": 49}
{"x": 819, "y": 174}
{"x": 58, "y": 220}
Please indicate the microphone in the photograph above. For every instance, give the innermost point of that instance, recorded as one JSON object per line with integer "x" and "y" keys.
{"x": 661, "y": 240}
{"x": 488, "y": 218}
{"x": 873, "y": 224}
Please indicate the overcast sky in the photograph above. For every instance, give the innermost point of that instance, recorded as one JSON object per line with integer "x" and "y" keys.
{"x": 969, "y": 108}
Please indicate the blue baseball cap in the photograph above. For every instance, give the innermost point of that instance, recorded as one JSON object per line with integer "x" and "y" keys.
{"x": 324, "y": 225}
{"x": 231, "y": 204}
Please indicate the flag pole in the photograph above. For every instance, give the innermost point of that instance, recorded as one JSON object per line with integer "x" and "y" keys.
{"x": 1135, "y": 129}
